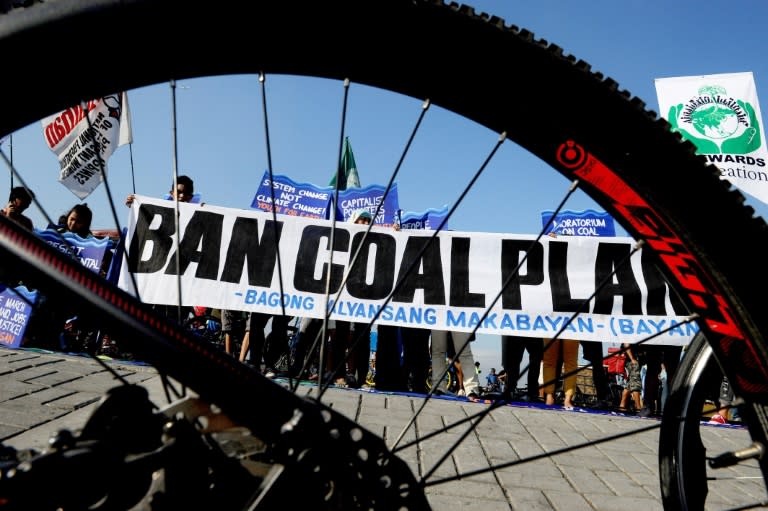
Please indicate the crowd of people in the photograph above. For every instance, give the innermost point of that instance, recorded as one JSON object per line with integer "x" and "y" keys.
{"x": 406, "y": 359}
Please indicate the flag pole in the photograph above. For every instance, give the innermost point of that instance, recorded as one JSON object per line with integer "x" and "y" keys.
{"x": 10, "y": 143}
{"x": 133, "y": 175}
{"x": 176, "y": 196}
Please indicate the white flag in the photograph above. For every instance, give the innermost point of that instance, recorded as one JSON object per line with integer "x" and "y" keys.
{"x": 126, "y": 132}
{"x": 720, "y": 115}
{"x": 74, "y": 145}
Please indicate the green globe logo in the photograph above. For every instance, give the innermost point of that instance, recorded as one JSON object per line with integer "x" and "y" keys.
{"x": 718, "y": 123}
{"x": 715, "y": 121}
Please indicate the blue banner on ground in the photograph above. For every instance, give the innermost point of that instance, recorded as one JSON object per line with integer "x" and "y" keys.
{"x": 579, "y": 223}
{"x": 89, "y": 251}
{"x": 15, "y": 308}
{"x": 429, "y": 219}
{"x": 292, "y": 198}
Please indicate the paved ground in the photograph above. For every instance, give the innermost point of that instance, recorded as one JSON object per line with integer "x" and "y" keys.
{"x": 41, "y": 393}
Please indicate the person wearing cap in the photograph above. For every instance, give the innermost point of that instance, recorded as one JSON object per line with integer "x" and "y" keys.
{"x": 361, "y": 216}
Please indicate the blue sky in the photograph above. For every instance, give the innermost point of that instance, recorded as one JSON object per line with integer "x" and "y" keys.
{"x": 224, "y": 150}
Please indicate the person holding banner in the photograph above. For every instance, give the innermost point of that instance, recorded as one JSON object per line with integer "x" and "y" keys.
{"x": 18, "y": 201}
{"x": 461, "y": 346}
{"x": 352, "y": 337}
{"x": 512, "y": 350}
{"x": 255, "y": 345}
{"x": 656, "y": 356}
{"x": 569, "y": 349}
{"x": 185, "y": 190}
{"x": 593, "y": 353}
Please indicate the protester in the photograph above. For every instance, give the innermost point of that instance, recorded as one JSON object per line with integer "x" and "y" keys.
{"x": 512, "y": 350}
{"x": 184, "y": 191}
{"x": 633, "y": 386}
{"x": 255, "y": 350}
{"x": 492, "y": 383}
{"x": 460, "y": 342}
{"x": 553, "y": 350}
{"x": 593, "y": 353}
{"x": 18, "y": 201}
{"x": 656, "y": 356}
{"x": 78, "y": 221}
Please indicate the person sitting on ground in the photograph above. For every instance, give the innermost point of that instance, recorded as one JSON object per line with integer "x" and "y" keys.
{"x": 492, "y": 381}
{"x": 502, "y": 375}
{"x": 18, "y": 201}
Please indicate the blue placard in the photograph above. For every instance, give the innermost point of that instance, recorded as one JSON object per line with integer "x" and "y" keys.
{"x": 369, "y": 198}
{"x": 429, "y": 219}
{"x": 292, "y": 198}
{"x": 579, "y": 223}
{"x": 16, "y": 306}
{"x": 89, "y": 251}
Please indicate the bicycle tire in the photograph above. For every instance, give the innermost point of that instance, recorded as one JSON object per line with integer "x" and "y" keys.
{"x": 206, "y": 327}
{"x": 449, "y": 383}
{"x": 681, "y": 451}
{"x": 721, "y": 278}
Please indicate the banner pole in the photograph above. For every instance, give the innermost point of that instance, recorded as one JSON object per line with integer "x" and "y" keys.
{"x": 176, "y": 196}
{"x": 10, "y": 143}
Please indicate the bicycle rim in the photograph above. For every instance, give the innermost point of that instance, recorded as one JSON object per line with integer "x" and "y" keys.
{"x": 566, "y": 104}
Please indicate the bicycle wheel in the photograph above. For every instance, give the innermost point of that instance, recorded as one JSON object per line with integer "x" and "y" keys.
{"x": 691, "y": 459}
{"x": 719, "y": 279}
{"x": 449, "y": 383}
{"x": 207, "y": 328}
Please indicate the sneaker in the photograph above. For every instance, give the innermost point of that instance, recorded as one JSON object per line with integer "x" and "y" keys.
{"x": 352, "y": 381}
{"x": 270, "y": 373}
{"x": 717, "y": 419}
{"x": 603, "y": 404}
{"x": 645, "y": 412}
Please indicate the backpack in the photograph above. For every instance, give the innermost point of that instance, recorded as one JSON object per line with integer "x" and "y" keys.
{"x": 616, "y": 361}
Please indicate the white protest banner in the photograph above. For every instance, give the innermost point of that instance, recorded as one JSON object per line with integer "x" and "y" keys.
{"x": 66, "y": 133}
{"x": 720, "y": 115}
{"x": 228, "y": 261}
